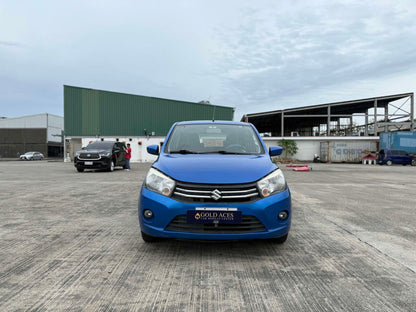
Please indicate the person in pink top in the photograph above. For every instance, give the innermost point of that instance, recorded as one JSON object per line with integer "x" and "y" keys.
{"x": 128, "y": 156}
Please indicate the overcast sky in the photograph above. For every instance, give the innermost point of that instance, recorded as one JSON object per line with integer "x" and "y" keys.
{"x": 252, "y": 55}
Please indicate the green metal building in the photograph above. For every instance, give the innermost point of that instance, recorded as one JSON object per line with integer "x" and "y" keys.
{"x": 97, "y": 113}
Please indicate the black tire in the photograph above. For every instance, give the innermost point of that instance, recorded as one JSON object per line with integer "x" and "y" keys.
{"x": 149, "y": 238}
{"x": 389, "y": 163}
{"x": 111, "y": 166}
{"x": 413, "y": 162}
{"x": 80, "y": 169}
{"x": 279, "y": 240}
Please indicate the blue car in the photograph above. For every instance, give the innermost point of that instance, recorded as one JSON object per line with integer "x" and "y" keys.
{"x": 390, "y": 157}
{"x": 214, "y": 180}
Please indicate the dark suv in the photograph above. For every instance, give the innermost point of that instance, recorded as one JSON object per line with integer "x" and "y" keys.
{"x": 389, "y": 157}
{"x": 100, "y": 155}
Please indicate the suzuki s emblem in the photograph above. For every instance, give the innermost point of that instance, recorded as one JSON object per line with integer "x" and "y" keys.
{"x": 88, "y": 155}
{"x": 216, "y": 194}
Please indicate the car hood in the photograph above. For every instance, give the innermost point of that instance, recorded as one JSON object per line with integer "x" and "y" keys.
{"x": 214, "y": 168}
{"x": 94, "y": 151}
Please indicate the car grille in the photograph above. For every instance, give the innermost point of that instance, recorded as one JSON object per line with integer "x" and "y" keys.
{"x": 210, "y": 193}
{"x": 89, "y": 156}
{"x": 249, "y": 224}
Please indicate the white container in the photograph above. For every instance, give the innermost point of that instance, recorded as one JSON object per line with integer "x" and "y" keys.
{"x": 346, "y": 151}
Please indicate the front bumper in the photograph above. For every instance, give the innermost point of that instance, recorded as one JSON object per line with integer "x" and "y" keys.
{"x": 165, "y": 209}
{"x": 103, "y": 162}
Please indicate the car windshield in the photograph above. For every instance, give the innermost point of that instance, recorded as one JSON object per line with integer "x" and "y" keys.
{"x": 100, "y": 145}
{"x": 214, "y": 138}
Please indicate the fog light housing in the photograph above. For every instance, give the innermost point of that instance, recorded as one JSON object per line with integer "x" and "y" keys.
{"x": 283, "y": 215}
{"x": 148, "y": 214}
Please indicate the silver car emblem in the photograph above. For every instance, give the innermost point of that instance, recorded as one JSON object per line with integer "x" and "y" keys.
{"x": 215, "y": 194}
{"x": 88, "y": 155}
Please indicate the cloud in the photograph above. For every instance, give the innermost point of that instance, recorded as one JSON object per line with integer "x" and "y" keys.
{"x": 10, "y": 44}
{"x": 280, "y": 52}
{"x": 249, "y": 55}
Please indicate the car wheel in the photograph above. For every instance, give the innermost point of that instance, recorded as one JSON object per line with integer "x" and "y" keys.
{"x": 80, "y": 169}
{"x": 389, "y": 163}
{"x": 279, "y": 240}
{"x": 413, "y": 162}
{"x": 111, "y": 167}
{"x": 149, "y": 238}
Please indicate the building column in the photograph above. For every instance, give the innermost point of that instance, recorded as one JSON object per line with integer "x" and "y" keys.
{"x": 328, "y": 130}
{"x": 386, "y": 117}
{"x": 366, "y": 123}
{"x": 412, "y": 113}
{"x": 282, "y": 125}
{"x": 375, "y": 129}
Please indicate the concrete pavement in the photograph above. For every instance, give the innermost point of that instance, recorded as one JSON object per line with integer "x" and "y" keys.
{"x": 71, "y": 242}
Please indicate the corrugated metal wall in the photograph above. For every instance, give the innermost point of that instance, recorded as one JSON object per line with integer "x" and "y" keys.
{"x": 14, "y": 142}
{"x": 400, "y": 140}
{"x": 89, "y": 112}
{"x": 345, "y": 151}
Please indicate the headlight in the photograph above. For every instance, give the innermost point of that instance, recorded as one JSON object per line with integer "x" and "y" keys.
{"x": 105, "y": 154}
{"x": 77, "y": 153}
{"x": 158, "y": 182}
{"x": 274, "y": 183}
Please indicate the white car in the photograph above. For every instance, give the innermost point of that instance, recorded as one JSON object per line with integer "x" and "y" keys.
{"x": 32, "y": 156}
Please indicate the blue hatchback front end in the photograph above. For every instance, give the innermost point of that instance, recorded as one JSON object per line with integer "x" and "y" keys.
{"x": 214, "y": 181}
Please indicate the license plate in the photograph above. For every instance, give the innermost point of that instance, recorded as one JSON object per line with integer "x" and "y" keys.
{"x": 88, "y": 163}
{"x": 214, "y": 216}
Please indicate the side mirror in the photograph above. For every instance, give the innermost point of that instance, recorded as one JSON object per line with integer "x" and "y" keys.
{"x": 275, "y": 150}
{"x": 153, "y": 149}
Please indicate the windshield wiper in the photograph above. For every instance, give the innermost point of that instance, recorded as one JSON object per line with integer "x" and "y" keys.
{"x": 225, "y": 152}
{"x": 222, "y": 152}
{"x": 183, "y": 151}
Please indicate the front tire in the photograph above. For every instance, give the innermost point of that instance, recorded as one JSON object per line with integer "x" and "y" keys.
{"x": 80, "y": 169}
{"x": 279, "y": 240}
{"x": 150, "y": 239}
{"x": 413, "y": 162}
{"x": 389, "y": 163}
{"x": 111, "y": 167}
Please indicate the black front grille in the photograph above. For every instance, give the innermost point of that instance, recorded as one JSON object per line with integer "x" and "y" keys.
{"x": 211, "y": 193}
{"x": 249, "y": 224}
{"x": 89, "y": 156}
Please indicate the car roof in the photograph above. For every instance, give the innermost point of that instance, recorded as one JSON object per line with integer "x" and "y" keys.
{"x": 222, "y": 122}
{"x": 103, "y": 142}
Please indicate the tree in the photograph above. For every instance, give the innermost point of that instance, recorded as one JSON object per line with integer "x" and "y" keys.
{"x": 289, "y": 147}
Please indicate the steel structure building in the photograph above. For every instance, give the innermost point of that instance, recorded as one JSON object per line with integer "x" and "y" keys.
{"x": 90, "y": 112}
{"x": 41, "y": 132}
{"x": 385, "y": 111}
